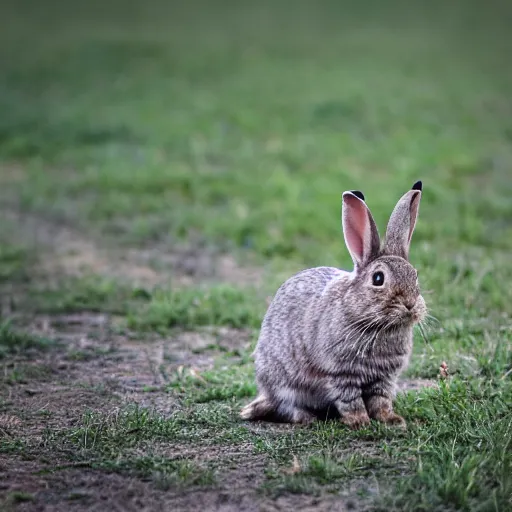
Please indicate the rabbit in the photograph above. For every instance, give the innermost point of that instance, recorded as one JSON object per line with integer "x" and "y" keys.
{"x": 337, "y": 340}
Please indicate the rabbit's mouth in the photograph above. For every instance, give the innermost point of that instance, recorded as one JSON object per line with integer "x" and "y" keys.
{"x": 415, "y": 314}
{"x": 418, "y": 316}
{"x": 406, "y": 316}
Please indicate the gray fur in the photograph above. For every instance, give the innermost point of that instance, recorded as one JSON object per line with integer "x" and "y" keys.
{"x": 330, "y": 339}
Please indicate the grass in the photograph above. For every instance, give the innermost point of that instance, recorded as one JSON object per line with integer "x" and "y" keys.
{"x": 322, "y": 470}
{"x": 452, "y": 456}
{"x": 228, "y": 380}
{"x": 14, "y": 341}
{"x": 190, "y": 307}
{"x": 181, "y": 154}
{"x": 88, "y": 293}
{"x": 179, "y": 132}
{"x": 13, "y": 262}
{"x": 450, "y": 468}
{"x": 167, "y": 474}
{"x": 19, "y": 497}
{"x": 26, "y": 374}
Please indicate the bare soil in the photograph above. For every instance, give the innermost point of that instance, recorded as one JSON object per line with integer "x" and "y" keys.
{"x": 70, "y": 252}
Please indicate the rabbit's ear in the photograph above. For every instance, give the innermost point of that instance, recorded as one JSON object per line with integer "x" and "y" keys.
{"x": 359, "y": 229}
{"x": 402, "y": 222}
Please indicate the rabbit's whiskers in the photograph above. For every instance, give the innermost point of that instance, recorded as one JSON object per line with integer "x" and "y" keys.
{"x": 353, "y": 329}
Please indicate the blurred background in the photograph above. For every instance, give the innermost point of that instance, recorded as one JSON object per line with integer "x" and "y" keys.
{"x": 199, "y": 128}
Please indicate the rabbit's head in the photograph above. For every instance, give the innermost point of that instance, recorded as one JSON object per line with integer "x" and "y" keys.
{"x": 384, "y": 285}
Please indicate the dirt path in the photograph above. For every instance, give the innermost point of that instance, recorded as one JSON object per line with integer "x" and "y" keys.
{"x": 94, "y": 369}
{"x": 70, "y": 252}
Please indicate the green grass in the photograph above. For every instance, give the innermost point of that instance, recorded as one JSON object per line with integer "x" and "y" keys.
{"x": 454, "y": 455}
{"x": 463, "y": 459}
{"x": 18, "y": 497}
{"x": 322, "y": 470}
{"x": 87, "y": 293}
{"x": 175, "y": 132}
{"x": 25, "y": 374}
{"x": 156, "y": 309}
{"x": 15, "y": 341}
{"x": 220, "y": 305}
{"x": 228, "y": 380}
{"x": 236, "y": 126}
{"x": 13, "y": 263}
{"x": 167, "y": 474}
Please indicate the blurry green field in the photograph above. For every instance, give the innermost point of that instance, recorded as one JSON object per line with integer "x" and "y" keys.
{"x": 235, "y": 127}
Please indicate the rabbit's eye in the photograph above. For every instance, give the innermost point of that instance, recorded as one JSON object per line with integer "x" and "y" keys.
{"x": 378, "y": 279}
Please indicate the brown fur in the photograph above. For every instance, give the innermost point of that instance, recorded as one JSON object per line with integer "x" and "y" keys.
{"x": 332, "y": 338}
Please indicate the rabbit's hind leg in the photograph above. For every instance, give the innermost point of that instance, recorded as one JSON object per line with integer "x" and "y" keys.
{"x": 259, "y": 408}
{"x": 302, "y": 416}
{"x": 262, "y": 408}
{"x": 293, "y": 413}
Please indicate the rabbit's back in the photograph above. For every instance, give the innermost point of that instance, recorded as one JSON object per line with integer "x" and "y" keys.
{"x": 282, "y": 348}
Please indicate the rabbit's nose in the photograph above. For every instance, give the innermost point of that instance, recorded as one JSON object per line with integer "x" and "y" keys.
{"x": 409, "y": 304}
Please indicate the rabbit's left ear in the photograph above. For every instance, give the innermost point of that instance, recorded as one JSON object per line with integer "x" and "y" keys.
{"x": 402, "y": 222}
{"x": 359, "y": 229}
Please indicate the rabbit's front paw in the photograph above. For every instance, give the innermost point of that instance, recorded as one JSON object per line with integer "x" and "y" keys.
{"x": 355, "y": 419}
{"x": 380, "y": 408}
{"x": 391, "y": 418}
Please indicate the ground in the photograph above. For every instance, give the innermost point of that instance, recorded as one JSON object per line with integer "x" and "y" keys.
{"x": 164, "y": 168}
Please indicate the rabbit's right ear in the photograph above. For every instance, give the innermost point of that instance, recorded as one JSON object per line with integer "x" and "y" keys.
{"x": 402, "y": 222}
{"x": 359, "y": 229}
